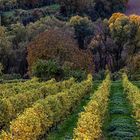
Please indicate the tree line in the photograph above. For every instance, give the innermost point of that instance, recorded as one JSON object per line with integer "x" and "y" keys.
{"x": 90, "y": 35}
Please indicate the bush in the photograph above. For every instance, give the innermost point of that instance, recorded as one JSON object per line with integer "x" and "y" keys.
{"x": 46, "y": 69}
{"x": 116, "y": 76}
{"x": 11, "y": 76}
{"x": 79, "y": 75}
{"x": 100, "y": 75}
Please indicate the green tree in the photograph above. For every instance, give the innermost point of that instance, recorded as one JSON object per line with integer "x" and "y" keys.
{"x": 46, "y": 69}
{"x": 125, "y": 33}
{"x": 83, "y": 30}
{"x": 71, "y": 7}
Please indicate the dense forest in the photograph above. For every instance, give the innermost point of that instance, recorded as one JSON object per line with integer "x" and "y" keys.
{"x": 68, "y": 37}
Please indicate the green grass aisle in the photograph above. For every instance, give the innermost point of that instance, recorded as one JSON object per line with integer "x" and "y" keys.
{"x": 65, "y": 130}
{"x": 120, "y": 124}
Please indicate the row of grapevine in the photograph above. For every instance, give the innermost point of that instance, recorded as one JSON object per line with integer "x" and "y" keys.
{"x": 133, "y": 93}
{"x": 12, "y": 106}
{"x": 90, "y": 122}
{"x": 10, "y": 89}
{"x": 46, "y": 113}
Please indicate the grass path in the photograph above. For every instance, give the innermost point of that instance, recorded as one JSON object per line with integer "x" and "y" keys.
{"x": 120, "y": 125}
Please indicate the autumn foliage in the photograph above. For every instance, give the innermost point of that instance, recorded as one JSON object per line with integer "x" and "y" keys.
{"x": 125, "y": 31}
{"x": 133, "y": 93}
{"x": 59, "y": 46}
{"x": 91, "y": 120}
{"x": 47, "y": 112}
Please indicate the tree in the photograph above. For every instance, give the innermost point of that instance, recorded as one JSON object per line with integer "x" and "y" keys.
{"x": 103, "y": 47}
{"x": 125, "y": 32}
{"x": 19, "y": 32}
{"x": 59, "y": 45}
{"x": 14, "y": 39}
{"x": 116, "y": 42}
{"x": 72, "y": 7}
{"x": 93, "y": 8}
{"x": 83, "y": 30}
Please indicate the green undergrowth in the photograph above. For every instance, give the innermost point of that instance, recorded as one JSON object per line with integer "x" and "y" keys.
{"x": 120, "y": 125}
{"x": 64, "y": 131}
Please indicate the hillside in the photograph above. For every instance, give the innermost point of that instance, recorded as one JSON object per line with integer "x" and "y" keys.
{"x": 69, "y": 70}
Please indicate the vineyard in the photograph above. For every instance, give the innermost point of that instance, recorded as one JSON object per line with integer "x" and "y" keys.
{"x": 33, "y": 110}
{"x": 69, "y": 70}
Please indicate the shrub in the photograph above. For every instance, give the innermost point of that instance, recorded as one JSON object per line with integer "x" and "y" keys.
{"x": 100, "y": 75}
{"x": 79, "y": 75}
{"x": 51, "y": 69}
{"x": 46, "y": 69}
{"x": 11, "y": 76}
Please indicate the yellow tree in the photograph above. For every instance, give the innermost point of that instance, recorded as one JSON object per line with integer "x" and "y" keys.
{"x": 125, "y": 30}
